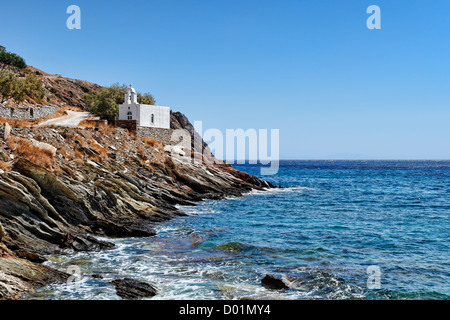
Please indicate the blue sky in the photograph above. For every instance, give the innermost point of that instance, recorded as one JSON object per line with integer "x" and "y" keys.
{"x": 335, "y": 89}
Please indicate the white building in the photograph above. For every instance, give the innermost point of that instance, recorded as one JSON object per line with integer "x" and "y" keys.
{"x": 145, "y": 114}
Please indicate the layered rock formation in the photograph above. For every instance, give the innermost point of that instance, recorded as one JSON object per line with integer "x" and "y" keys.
{"x": 100, "y": 182}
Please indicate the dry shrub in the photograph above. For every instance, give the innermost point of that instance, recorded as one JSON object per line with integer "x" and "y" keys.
{"x": 141, "y": 153}
{"x": 90, "y": 123}
{"x": 78, "y": 161}
{"x": 64, "y": 151}
{"x": 72, "y": 108}
{"x": 5, "y": 166}
{"x": 105, "y": 129}
{"x": 82, "y": 140}
{"x": 108, "y": 129}
{"x": 86, "y": 124}
{"x": 102, "y": 151}
{"x": 133, "y": 136}
{"x": 95, "y": 158}
{"x": 36, "y": 155}
{"x": 150, "y": 142}
{"x": 17, "y": 123}
{"x": 77, "y": 155}
{"x": 59, "y": 113}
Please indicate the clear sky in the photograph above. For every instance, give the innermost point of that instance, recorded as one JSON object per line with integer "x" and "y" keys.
{"x": 311, "y": 68}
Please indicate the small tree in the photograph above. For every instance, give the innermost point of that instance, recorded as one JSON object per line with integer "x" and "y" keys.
{"x": 8, "y": 85}
{"x": 11, "y": 87}
{"x": 105, "y": 102}
{"x": 12, "y": 59}
{"x": 146, "y": 98}
{"x": 32, "y": 86}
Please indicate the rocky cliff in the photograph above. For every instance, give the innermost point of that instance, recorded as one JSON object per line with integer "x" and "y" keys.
{"x": 61, "y": 189}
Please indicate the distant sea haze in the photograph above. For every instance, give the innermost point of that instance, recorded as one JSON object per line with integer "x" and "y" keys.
{"x": 331, "y": 223}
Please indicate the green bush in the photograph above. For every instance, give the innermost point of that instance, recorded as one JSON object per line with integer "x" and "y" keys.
{"x": 105, "y": 102}
{"x": 145, "y": 98}
{"x": 32, "y": 86}
{"x": 8, "y": 85}
{"x": 12, "y": 59}
{"x": 18, "y": 89}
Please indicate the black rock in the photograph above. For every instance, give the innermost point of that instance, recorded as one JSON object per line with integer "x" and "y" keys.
{"x": 132, "y": 289}
{"x": 272, "y": 282}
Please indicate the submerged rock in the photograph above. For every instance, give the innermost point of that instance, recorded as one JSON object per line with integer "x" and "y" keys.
{"x": 272, "y": 282}
{"x": 132, "y": 289}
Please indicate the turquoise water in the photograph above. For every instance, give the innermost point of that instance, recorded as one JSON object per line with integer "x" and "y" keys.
{"x": 320, "y": 232}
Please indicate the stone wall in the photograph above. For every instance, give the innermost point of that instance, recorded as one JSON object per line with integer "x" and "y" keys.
{"x": 28, "y": 113}
{"x": 130, "y": 125}
{"x": 159, "y": 134}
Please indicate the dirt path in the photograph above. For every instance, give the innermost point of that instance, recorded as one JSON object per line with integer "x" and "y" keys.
{"x": 72, "y": 120}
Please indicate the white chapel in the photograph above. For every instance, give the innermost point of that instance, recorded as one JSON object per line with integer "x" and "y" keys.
{"x": 146, "y": 115}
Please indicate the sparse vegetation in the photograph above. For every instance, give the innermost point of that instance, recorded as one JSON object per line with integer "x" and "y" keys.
{"x": 5, "y": 165}
{"x": 17, "y": 122}
{"x": 78, "y": 157}
{"x": 98, "y": 148}
{"x": 36, "y": 155}
{"x": 150, "y": 142}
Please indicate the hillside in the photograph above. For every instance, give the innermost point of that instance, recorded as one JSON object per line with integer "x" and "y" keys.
{"x": 62, "y": 188}
{"x": 60, "y": 91}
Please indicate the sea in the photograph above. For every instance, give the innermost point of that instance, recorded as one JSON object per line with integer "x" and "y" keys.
{"x": 334, "y": 230}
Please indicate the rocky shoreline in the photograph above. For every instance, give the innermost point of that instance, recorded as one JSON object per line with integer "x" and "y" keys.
{"x": 99, "y": 182}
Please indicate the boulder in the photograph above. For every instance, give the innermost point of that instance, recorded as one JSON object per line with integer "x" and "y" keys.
{"x": 7, "y": 131}
{"x": 272, "y": 282}
{"x": 44, "y": 146}
{"x": 175, "y": 150}
{"x": 132, "y": 289}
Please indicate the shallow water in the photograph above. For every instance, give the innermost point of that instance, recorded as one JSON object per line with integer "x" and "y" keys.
{"x": 330, "y": 222}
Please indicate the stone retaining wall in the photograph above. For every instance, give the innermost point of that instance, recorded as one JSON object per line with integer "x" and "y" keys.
{"x": 28, "y": 113}
{"x": 130, "y": 125}
{"x": 159, "y": 134}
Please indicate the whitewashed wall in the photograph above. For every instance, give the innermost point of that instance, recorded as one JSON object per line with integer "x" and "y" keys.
{"x": 143, "y": 114}
{"x": 162, "y": 116}
{"x": 123, "y": 111}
